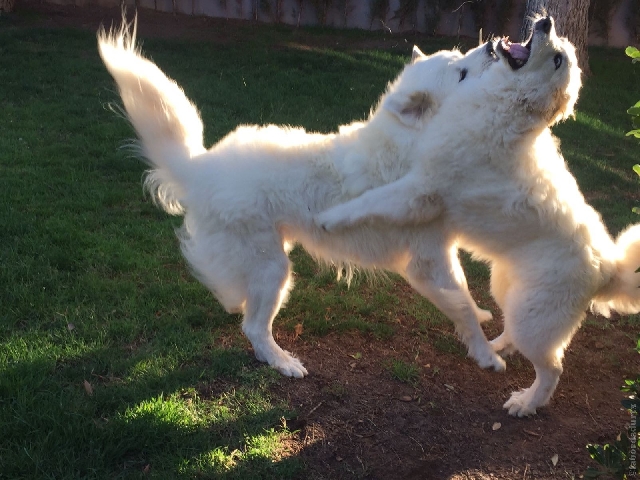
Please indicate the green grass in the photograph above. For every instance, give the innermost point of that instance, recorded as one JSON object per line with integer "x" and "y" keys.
{"x": 93, "y": 288}
{"x": 402, "y": 371}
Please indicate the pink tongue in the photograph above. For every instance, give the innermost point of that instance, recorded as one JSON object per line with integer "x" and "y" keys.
{"x": 519, "y": 52}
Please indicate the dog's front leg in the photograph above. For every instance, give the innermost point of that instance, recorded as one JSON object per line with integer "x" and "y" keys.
{"x": 402, "y": 202}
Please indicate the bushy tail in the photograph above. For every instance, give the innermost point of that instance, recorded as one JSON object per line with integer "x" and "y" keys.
{"x": 623, "y": 292}
{"x": 167, "y": 123}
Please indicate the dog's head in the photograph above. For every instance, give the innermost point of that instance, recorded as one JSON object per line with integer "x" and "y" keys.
{"x": 541, "y": 75}
{"x": 423, "y": 85}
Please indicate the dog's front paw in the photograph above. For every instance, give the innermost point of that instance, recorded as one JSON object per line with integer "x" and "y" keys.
{"x": 520, "y": 405}
{"x": 328, "y": 222}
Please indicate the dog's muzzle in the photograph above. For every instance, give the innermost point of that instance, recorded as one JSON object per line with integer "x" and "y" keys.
{"x": 544, "y": 25}
{"x": 517, "y": 54}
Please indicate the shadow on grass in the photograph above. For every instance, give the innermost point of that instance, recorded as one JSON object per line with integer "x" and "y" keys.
{"x": 212, "y": 417}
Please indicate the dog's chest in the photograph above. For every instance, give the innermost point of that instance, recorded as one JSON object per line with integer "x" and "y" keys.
{"x": 496, "y": 213}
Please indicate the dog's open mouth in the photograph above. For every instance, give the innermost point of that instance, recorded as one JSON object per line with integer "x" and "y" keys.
{"x": 516, "y": 54}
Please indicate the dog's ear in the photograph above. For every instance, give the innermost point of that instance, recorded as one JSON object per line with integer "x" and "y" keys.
{"x": 410, "y": 109}
{"x": 416, "y": 54}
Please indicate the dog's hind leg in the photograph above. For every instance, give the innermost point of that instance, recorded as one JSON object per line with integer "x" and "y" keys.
{"x": 440, "y": 278}
{"x": 503, "y": 345}
{"x": 254, "y": 281}
{"x": 540, "y": 325}
{"x": 268, "y": 287}
{"x": 215, "y": 263}
{"x": 501, "y": 282}
{"x": 526, "y": 402}
{"x": 500, "y": 285}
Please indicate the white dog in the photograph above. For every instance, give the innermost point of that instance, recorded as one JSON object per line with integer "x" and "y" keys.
{"x": 252, "y": 196}
{"x": 506, "y": 195}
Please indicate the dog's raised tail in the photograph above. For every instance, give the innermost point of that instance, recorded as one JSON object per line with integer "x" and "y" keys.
{"x": 167, "y": 123}
{"x": 622, "y": 294}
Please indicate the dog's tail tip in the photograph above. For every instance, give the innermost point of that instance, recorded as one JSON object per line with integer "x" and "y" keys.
{"x": 164, "y": 118}
{"x": 120, "y": 38}
{"x": 623, "y": 292}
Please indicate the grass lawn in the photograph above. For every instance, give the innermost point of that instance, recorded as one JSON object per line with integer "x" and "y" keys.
{"x": 114, "y": 361}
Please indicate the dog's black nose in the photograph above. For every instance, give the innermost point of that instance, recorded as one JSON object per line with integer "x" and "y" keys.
{"x": 544, "y": 24}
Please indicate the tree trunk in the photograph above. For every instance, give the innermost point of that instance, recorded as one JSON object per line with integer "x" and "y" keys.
{"x": 572, "y": 21}
{"x": 7, "y": 6}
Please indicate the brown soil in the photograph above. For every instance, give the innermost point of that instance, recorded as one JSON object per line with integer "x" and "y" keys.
{"x": 356, "y": 421}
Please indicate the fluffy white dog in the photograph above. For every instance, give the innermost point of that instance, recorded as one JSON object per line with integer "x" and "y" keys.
{"x": 500, "y": 188}
{"x": 252, "y": 196}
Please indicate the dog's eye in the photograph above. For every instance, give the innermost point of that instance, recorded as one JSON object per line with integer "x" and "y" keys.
{"x": 491, "y": 50}
{"x": 463, "y": 74}
{"x": 557, "y": 60}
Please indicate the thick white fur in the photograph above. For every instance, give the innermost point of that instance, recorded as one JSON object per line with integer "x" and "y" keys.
{"x": 509, "y": 198}
{"x": 254, "y": 194}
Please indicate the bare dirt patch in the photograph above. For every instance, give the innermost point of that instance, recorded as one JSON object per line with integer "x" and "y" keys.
{"x": 355, "y": 420}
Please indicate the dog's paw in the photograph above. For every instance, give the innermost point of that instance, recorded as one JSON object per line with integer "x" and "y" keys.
{"x": 268, "y": 351}
{"x": 283, "y": 362}
{"x": 483, "y": 315}
{"x": 519, "y": 405}
{"x": 484, "y": 355}
{"x": 328, "y": 222}
{"x": 493, "y": 361}
{"x": 502, "y": 346}
{"x": 292, "y": 367}
{"x": 326, "y": 225}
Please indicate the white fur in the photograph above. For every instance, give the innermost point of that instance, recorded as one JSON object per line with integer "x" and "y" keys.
{"x": 508, "y": 197}
{"x": 254, "y": 194}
